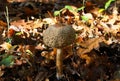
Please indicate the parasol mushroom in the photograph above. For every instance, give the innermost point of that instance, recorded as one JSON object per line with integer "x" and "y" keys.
{"x": 59, "y": 36}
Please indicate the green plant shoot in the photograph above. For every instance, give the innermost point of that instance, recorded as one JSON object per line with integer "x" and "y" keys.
{"x": 69, "y": 7}
{"x": 56, "y": 13}
{"x": 107, "y": 4}
{"x": 81, "y": 8}
{"x": 8, "y": 60}
{"x": 84, "y": 18}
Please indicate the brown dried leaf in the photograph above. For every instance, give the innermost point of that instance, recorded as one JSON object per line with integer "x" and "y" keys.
{"x": 18, "y": 23}
{"x": 3, "y": 23}
{"x": 87, "y": 58}
{"x": 10, "y": 33}
{"x": 90, "y": 44}
{"x": 29, "y": 78}
{"x": 67, "y": 52}
{"x": 18, "y": 62}
{"x": 21, "y": 24}
{"x": 48, "y": 55}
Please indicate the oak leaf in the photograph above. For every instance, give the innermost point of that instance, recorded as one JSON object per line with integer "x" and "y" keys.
{"x": 89, "y": 45}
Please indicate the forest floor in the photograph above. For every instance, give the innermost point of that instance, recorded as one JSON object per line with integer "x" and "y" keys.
{"x": 94, "y": 55}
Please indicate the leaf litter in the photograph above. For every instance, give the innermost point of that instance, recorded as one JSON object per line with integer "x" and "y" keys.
{"x": 94, "y": 56}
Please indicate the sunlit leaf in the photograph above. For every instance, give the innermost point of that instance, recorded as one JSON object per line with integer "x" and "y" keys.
{"x": 56, "y": 13}
{"x": 101, "y": 10}
{"x": 84, "y": 18}
{"x": 18, "y": 33}
{"x": 13, "y": 47}
{"x": 108, "y": 3}
{"x": 81, "y": 8}
{"x": 68, "y": 7}
{"x": 6, "y": 46}
{"x": 7, "y": 61}
{"x": 29, "y": 52}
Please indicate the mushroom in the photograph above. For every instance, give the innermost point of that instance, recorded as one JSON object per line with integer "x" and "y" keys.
{"x": 59, "y": 36}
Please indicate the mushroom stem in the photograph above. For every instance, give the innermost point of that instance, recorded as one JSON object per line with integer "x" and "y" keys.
{"x": 59, "y": 63}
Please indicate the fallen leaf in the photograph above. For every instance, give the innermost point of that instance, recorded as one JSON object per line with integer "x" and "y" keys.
{"x": 7, "y": 61}
{"x": 1, "y": 72}
{"x": 29, "y": 78}
{"x": 3, "y": 23}
{"x": 18, "y": 62}
{"x": 11, "y": 33}
{"x": 6, "y": 46}
{"x": 89, "y": 45}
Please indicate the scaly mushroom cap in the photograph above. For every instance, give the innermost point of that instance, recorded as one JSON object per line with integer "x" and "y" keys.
{"x": 58, "y": 36}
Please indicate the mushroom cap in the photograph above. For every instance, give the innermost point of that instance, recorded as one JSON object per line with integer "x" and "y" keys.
{"x": 58, "y": 36}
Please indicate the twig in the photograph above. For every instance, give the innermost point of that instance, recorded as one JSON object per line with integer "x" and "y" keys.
{"x": 7, "y": 17}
